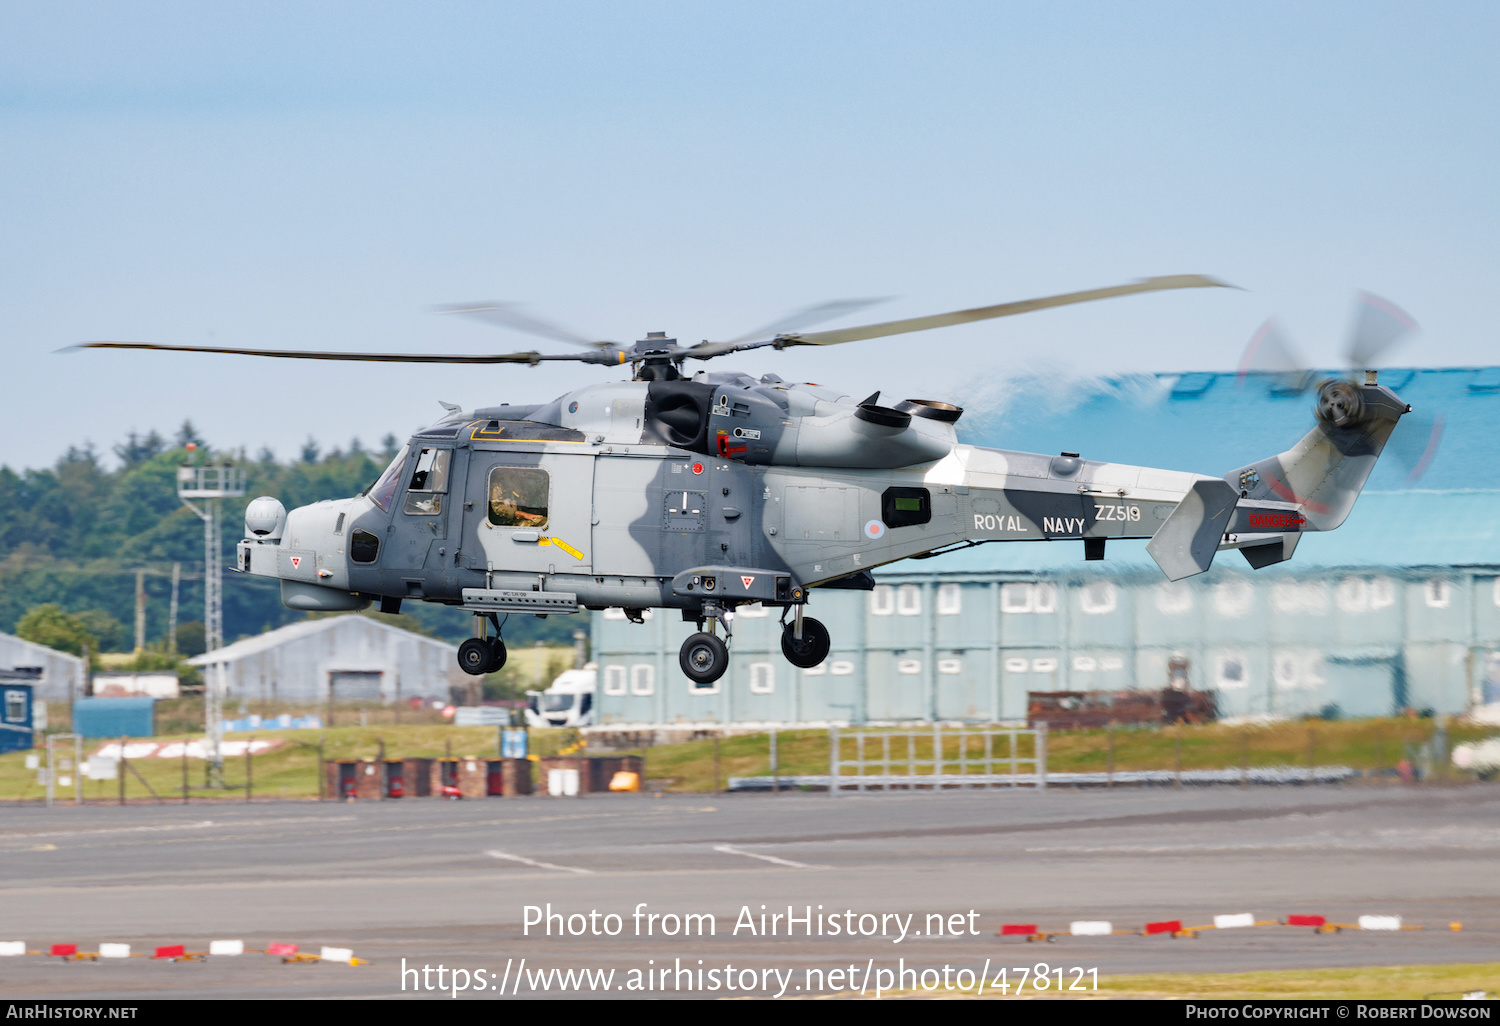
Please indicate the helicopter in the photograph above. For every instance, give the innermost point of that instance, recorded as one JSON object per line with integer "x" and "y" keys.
{"x": 708, "y": 491}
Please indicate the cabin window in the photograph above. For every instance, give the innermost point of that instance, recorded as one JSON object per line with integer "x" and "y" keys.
{"x": 428, "y": 482}
{"x": 384, "y": 488}
{"x": 905, "y": 507}
{"x": 518, "y": 497}
{"x": 363, "y": 546}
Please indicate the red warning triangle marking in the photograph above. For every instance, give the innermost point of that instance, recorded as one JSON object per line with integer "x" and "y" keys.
{"x": 296, "y": 561}
{"x": 748, "y": 581}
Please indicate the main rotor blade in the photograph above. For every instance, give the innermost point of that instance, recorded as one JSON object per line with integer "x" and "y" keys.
{"x": 806, "y": 318}
{"x": 1378, "y": 325}
{"x": 984, "y": 313}
{"x": 309, "y": 354}
{"x": 507, "y": 315}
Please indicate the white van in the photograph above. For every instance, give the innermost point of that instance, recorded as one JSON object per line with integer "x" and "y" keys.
{"x": 569, "y": 702}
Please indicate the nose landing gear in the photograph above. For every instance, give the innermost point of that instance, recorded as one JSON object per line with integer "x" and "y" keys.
{"x": 704, "y": 658}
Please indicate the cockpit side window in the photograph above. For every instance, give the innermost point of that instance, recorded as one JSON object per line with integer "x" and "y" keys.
{"x": 518, "y": 497}
{"x": 384, "y": 489}
{"x": 428, "y": 482}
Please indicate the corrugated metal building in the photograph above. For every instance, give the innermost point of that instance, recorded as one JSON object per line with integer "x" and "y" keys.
{"x": 61, "y": 676}
{"x": 354, "y": 658}
{"x": 1399, "y": 607}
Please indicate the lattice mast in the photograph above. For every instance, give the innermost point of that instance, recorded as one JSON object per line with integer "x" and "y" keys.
{"x": 209, "y": 485}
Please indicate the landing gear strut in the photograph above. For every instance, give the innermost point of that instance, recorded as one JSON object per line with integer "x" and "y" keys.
{"x": 480, "y": 654}
{"x": 805, "y": 641}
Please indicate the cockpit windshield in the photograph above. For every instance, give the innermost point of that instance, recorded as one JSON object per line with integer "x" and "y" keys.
{"x": 384, "y": 490}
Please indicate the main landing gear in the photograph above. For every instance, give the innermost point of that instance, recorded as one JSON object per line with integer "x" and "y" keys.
{"x": 703, "y": 656}
{"x": 480, "y": 654}
{"x": 805, "y": 641}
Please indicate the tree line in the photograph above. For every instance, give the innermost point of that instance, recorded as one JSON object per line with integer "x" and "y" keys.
{"x": 74, "y": 535}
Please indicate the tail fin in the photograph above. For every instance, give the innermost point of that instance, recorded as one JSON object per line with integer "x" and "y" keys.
{"x": 1312, "y": 486}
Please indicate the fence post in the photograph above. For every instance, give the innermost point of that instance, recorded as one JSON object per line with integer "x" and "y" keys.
{"x": 1244, "y": 756}
{"x": 716, "y": 764}
{"x": 249, "y": 772}
{"x": 322, "y": 769}
{"x": 937, "y": 756}
{"x": 78, "y": 764}
{"x": 775, "y": 771}
{"x": 833, "y": 762}
{"x": 184, "y": 771}
{"x": 1177, "y": 754}
{"x": 1109, "y": 763}
{"x": 1041, "y": 756}
{"x": 120, "y": 770}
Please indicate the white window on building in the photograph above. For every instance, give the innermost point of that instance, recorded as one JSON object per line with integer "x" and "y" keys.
{"x": 1353, "y": 595}
{"x": 1046, "y": 597}
{"x": 614, "y": 680}
{"x": 882, "y": 600}
{"x": 1174, "y": 598}
{"x": 1045, "y": 665}
{"x": 643, "y": 679}
{"x": 614, "y": 613}
{"x": 1098, "y": 598}
{"x": 1111, "y": 663}
{"x": 816, "y": 671}
{"x": 908, "y": 666}
{"x": 841, "y": 668}
{"x": 15, "y": 707}
{"x": 1233, "y": 670}
{"x": 1310, "y": 597}
{"x": 1438, "y": 592}
{"x": 950, "y": 599}
{"x": 752, "y": 609}
{"x": 1085, "y": 664}
{"x": 1296, "y": 668}
{"x": 1016, "y": 598}
{"x": 909, "y": 600}
{"x": 1233, "y": 598}
{"x": 1016, "y": 665}
{"x": 762, "y": 678}
{"x": 950, "y": 666}
{"x": 1382, "y": 592}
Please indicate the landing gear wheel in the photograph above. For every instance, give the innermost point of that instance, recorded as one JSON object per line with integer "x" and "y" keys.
{"x": 497, "y": 656}
{"x": 811, "y": 650}
{"x": 474, "y": 656}
{"x": 704, "y": 658}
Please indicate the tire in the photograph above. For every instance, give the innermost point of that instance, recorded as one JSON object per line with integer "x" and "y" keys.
{"x": 812, "y": 649}
{"x": 704, "y": 658}
{"x": 474, "y": 657}
{"x": 497, "y": 656}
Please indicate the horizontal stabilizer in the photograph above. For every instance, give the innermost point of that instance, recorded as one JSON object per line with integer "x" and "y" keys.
{"x": 1185, "y": 544}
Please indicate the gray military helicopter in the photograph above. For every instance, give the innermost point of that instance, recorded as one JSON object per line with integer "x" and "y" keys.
{"x": 706, "y": 492}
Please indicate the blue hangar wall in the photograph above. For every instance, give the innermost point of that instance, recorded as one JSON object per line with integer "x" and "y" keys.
{"x": 1399, "y": 607}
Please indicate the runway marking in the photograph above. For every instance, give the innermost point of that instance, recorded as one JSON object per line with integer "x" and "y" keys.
{"x": 729, "y": 849}
{"x": 539, "y": 865}
{"x": 175, "y": 826}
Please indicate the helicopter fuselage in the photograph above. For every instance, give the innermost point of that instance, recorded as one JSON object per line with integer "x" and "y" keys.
{"x": 706, "y": 493}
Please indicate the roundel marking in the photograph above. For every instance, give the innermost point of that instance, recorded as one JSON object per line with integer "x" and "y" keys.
{"x": 697, "y": 468}
{"x": 572, "y": 407}
{"x": 874, "y": 529}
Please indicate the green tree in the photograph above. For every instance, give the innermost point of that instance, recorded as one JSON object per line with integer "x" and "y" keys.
{"x": 47, "y": 624}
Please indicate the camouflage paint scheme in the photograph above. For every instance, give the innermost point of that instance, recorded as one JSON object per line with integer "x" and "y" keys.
{"x": 703, "y": 493}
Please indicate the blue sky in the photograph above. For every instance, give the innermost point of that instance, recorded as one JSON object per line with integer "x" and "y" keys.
{"x": 320, "y": 175}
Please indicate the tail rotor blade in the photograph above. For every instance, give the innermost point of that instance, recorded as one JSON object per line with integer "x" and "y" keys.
{"x": 1271, "y": 351}
{"x": 1378, "y": 325}
{"x": 1415, "y": 444}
